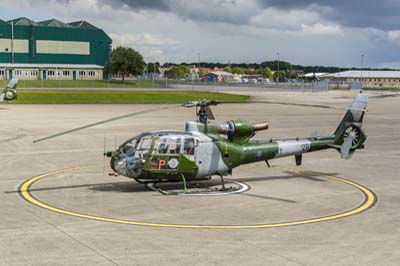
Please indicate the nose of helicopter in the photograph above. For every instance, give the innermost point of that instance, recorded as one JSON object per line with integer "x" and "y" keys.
{"x": 114, "y": 157}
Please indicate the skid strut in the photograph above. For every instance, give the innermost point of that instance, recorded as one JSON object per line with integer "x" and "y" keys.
{"x": 191, "y": 191}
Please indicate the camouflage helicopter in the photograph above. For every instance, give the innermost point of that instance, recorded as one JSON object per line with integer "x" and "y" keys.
{"x": 10, "y": 92}
{"x": 205, "y": 149}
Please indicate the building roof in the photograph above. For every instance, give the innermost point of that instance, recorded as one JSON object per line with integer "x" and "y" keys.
{"x": 23, "y": 22}
{"x": 54, "y": 23}
{"x": 50, "y": 23}
{"x": 45, "y": 66}
{"x": 82, "y": 24}
{"x": 311, "y": 75}
{"x": 221, "y": 73}
{"x": 364, "y": 74}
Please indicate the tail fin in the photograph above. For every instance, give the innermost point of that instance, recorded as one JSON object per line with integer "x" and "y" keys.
{"x": 10, "y": 92}
{"x": 349, "y": 135}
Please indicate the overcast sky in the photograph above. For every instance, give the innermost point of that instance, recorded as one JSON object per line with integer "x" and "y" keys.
{"x": 308, "y": 32}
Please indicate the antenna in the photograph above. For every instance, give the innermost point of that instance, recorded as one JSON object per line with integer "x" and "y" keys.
{"x": 104, "y": 151}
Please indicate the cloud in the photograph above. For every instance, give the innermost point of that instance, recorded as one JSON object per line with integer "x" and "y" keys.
{"x": 383, "y": 14}
{"x": 321, "y": 29}
{"x": 303, "y": 31}
{"x": 138, "y": 5}
{"x": 132, "y": 40}
{"x": 394, "y": 36}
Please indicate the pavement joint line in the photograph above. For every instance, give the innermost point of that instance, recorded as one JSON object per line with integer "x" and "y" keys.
{"x": 368, "y": 202}
{"x": 64, "y": 233}
{"x": 85, "y": 245}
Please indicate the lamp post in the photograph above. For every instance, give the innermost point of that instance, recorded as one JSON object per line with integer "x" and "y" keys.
{"x": 277, "y": 72}
{"x": 12, "y": 41}
{"x": 147, "y": 68}
{"x": 361, "y": 68}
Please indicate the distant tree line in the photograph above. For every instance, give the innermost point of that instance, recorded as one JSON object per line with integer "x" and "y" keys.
{"x": 126, "y": 61}
{"x": 273, "y": 65}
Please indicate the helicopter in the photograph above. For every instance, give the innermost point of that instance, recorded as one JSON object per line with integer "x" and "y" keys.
{"x": 10, "y": 92}
{"x": 205, "y": 149}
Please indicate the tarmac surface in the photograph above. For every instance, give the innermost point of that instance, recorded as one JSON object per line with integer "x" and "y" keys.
{"x": 33, "y": 235}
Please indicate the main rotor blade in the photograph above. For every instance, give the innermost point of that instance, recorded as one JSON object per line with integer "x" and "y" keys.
{"x": 105, "y": 121}
{"x": 210, "y": 114}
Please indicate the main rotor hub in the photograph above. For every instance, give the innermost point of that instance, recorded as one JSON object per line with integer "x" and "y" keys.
{"x": 204, "y": 112}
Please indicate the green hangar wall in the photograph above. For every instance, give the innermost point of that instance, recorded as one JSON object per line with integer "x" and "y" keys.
{"x": 23, "y": 41}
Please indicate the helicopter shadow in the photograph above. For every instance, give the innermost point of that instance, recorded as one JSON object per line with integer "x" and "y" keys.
{"x": 124, "y": 187}
{"x": 290, "y": 175}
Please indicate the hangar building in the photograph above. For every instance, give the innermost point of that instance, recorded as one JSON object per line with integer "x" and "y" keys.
{"x": 367, "y": 77}
{"x": 52, "y": 49}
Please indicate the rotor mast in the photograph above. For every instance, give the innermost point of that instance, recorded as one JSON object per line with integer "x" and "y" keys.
{"x": 204, "y": 111}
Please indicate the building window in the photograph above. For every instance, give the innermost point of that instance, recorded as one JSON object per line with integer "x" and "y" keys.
{"x": 1, "y": 72}
{"x": 66, "y": 73}
{"x": 51, "y": 73}
{"x": 92, "y": 73}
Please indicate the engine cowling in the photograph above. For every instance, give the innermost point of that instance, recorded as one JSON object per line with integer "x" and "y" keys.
{"x": 241, "y": 131}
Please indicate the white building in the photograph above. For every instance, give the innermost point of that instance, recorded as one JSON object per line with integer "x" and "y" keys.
{"x": 50, "y": 72}
{"x": 367, "y": 77}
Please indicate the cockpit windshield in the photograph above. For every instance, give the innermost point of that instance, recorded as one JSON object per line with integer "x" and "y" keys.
{"x": 137, "y": 147}
{"x": 129, "y": 147}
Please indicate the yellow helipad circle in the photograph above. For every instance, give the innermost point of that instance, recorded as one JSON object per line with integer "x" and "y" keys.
{"x": 369, "y": 201}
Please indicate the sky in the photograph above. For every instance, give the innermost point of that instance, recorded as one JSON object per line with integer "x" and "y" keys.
{"x": 307, "y": 32}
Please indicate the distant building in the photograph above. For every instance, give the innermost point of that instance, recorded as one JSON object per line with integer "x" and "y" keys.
{"x": 162, "y": 71}
{"x": 204, "y": 70}
{"x": 52, "y": 49}
{"x": 371, "y": 78}
{"x": 193, "y": 70}
{"x": 314, "y": 75}
{"x": 218, "y": 76}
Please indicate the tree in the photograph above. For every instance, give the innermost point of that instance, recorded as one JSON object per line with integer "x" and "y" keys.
{"x": 267, "y": 73}
{"x": 293, "y": 75}
{"x": 177, "y": 72}
{"x": 281, "y": 75}
{"x": 153, "y": 67}
{"x": 238, "y": 70}
{"x": 228, "y": 69}
{"x": 125, "y": 61}
{"x": 249, "y": 71}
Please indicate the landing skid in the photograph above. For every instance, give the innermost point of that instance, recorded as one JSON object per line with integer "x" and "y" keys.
{"x": 194, "y": 188}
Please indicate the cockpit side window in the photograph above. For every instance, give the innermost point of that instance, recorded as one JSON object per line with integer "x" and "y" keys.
{"x": 188, "y": 146}
{"x": 143, "y": 146}
{"x": 144, "y": 143}
{"x": 168, "y": 145}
